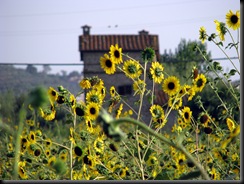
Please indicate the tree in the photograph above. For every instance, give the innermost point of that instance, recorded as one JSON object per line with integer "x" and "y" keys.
{"x": 31, "y": 69}
{"x": 185, "y": 57}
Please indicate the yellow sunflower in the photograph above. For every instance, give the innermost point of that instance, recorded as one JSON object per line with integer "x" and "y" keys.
{"x": 174, "y": 102}
{"x": 53, "y": 94}
{"x": 231, "y": 124}
{"x": 85, "y": 83}
{"x": 221, "y": 29}
{"x": 233, "y": 20}
{"x": 171, "y": 85}
{"x": 156, "y": 111}
{"x": 186, "y": 114}
{"x": 92, "y": 110}
{"x": 99, "y": 145}
{"x": 89, "y": 126}
{"x": 107, "y": 64}
{"x": 203, "y": 34}
{"x": 139, "y": 86}
{"x": 112, "y": 91}
{"x": 132, "y": 69}
{"x": 157, "y": 72}
{"x": 94, "y": 96}
{"x": 199, "y": 82}
{"x": 116, "y": 54}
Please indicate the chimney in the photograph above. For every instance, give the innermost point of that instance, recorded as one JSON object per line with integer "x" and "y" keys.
{"x": 143, "y": 32}
{"x": 86, "y": 30}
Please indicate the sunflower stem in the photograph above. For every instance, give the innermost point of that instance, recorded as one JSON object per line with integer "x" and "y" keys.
{"x": 180, "y": 147}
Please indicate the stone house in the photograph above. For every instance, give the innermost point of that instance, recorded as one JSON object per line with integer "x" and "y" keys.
{"x": 92, "y": 47}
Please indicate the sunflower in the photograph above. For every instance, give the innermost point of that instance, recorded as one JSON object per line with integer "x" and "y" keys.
{"x": 116, "y": 54}
{"x": 48, "y": 115}
{"x": 191, "y": 91}
{"x": 94, "y": 96}
{"x": 112, "y": 91}
{"x": 80, "y": 110}
{"x": 231, "y": 124}
{"x": 199, "y": 82}
{"x": 77, "y": 151}
{"x": 139, "y": 86}
{"x": 99, "y": 145}
{"x": 53, "y": 94}
{"x": 118, "y": 111}
{"x": 233, "y": 20}
{"x": 89, "y": 126}
{"x": 159, "y": 123}
{"x": 32, "y": 137}
{"x": 171, "y": 85}
{"x": 186, "y": 114}
{"x": 221, "y": 29}
{"x": 85, "y": 83}
{"x": 174, "y": 102}
{"x": 92, "y": 110}
{"x": 152, "y": 160}
{"x": 63, "y": 156}
{"x": 51, "y": 160}
{"x": 156, "y": 71}
{"x": 107, "y": 64}
{"x": 132, "y": 69}
{"x": 101, "y": 90}
{"x": 156, "y": 111}
{"x": 22, "y": 173}
{"x": 203, "y": 34}
{"x": 72, "y": 101}
{"x": 204, "y": 119}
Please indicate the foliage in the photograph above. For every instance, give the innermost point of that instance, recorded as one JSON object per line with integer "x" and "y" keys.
{"x": 103, "y": 142}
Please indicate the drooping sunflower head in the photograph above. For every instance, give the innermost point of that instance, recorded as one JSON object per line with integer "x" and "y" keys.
{"x": 233, "y": 20}
{"x": 174, "y": 102}
{"x": 231, "y": 124}
{"x": 107, "y": 64}
{"x": 157, "y": 72}
{"x": 139, "y": 86}
{"x": 132, "y": 69}
{"x": 203, "y": 34}
{"x": 199, "y": 82}
{"x": 221, "y": 29}
{"x": 116, "y": 54}
{"x": 89, "y": 126}
{"x": 171, "y": 85}
{"x": 148, "y": 54}
{"x": 53, "y": 94}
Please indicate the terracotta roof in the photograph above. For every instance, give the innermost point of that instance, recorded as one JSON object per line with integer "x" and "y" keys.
{"x": 92, "y": 43}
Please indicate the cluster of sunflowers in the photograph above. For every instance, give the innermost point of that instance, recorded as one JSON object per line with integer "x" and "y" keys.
{"x": 96, "y": 143}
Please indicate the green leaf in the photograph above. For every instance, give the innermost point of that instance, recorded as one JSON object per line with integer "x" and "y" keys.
{"x": 232, "y": 72}
{"x": 191, "y": 175}
{"x": 163, "y": 175}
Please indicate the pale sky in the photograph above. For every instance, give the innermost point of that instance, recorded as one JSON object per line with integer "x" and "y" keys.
{"x": 47, "y": 31}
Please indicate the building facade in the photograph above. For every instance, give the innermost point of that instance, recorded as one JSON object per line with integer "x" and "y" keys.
{"x": 92, "y": 47}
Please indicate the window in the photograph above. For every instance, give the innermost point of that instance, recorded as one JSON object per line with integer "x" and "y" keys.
{"x": 125, "y": 89}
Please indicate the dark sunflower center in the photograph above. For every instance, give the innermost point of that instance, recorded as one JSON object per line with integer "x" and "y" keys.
{"x": 87, "y": 160}
{"x": 89, "y": 124}
{"x": 171, "y": 85}
{"x": 53, "y": 93}
{"x": 204, "y": 118}
{"x": 93, "y": 110}
{"x": 186, "y": 115}
{"x": 79, "y": 111}
{"x": 108, "y": 63}
{"x": 78, "y": 151}
{"x": 181, "y": 161}
{"x": 37, "y": 152}
{"x": 32, "y": 137}
{"x": 199, "y": 83}
{"x": 117, "y": 54}
{"x": 99, "y": 144}
{"x": 60, "y": 99}
{"x": 234, "y": 19}
{"x": 132, "y": 69}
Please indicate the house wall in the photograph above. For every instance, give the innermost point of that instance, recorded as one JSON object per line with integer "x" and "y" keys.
{"x": 92, "y": 68}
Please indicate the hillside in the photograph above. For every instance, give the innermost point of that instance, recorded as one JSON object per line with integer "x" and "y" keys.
{"x": 20, "y": 81}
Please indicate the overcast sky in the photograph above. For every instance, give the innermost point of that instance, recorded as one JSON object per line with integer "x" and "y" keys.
{"x": 47, "y": 31}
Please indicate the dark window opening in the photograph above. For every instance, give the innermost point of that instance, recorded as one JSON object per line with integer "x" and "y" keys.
{"x": 125, "y": 90}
